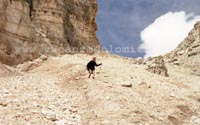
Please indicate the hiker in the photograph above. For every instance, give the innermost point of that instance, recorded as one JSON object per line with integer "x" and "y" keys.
{"x": 91, "y": 67}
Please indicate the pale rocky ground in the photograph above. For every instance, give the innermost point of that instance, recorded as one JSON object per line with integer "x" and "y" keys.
{"x": 57, "y": 91}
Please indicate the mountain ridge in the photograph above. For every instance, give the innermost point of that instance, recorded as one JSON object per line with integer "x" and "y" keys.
{"x": 187, "y": 52}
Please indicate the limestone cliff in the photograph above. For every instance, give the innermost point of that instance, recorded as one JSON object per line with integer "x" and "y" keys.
{"x": 29, "y": 28}
{"x": 188, "y": 51}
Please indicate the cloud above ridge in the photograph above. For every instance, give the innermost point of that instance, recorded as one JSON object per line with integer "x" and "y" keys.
{"x": 166, "y": 32}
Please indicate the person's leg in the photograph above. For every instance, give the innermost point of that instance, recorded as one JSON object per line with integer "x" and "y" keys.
{"x": 90, "y": 73}
{"x": 93, "y": 72}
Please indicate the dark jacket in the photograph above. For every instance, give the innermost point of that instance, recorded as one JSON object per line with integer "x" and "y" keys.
{"x": 91, "y": 65}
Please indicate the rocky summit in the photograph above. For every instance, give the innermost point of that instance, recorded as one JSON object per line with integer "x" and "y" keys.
{"x": 188, "y": 52}
{"x": 29, "y": 28}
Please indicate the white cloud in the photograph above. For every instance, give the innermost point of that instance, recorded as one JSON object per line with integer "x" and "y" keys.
{"x": 166, "y": 32}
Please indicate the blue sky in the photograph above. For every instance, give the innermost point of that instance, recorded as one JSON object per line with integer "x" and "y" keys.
{"x": 120, "y": 22}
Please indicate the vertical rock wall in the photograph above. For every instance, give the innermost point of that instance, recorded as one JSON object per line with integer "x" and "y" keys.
{"x": 29, "y": 28}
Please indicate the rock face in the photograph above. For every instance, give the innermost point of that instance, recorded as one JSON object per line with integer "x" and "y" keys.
{"x": 30, "y": 28}
{"x": 188, "y": 52}
{"x": 157, "y": 66}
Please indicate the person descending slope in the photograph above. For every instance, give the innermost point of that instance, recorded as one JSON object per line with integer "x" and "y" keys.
{"x": 91, "y": 67}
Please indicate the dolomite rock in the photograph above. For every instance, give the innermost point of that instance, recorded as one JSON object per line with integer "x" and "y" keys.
{"x": 144, "y": 85}
{"x": 43, "y": 57}
{"x": 30, "y": 28}
{"x": 187, "y": 52}
{"x": 60, "y": 122}
{"x": 126, "y": 85}
{"x": 50, "y": 115}
{"x": 6, "y": 71}
{"x": 3, "y": 104}
{"x": 139, "y": 61}
{"x": 157, "y": 66}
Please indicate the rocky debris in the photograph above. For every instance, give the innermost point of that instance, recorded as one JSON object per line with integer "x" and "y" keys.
{"x": 4, "y": 70}
{"x": 187, "y": 52}
{"x": 173, "y": 120}
{"x": 144, "y": 85}
{"x": 50, "y": 115}
{"x": 184, "y": 109}
{"x": 126, "y": 84}
{"x": 194, "y": 120}
{"x": 197, "y": 121}
{"x": 34, "y": 98}
{"x": 139, "y": 61}
{"x": 27, "y": 66}
{"x": 77, "y": 78}
{"x": 60, "y": 122}
{"x": 30, "y": 28}
{"x": 7, "y": 71}
{"x": 3, "y": 104}
{"x": 157, "y": 66}
{"x": 6, "y": 92}
{"x": 43, "y": 57}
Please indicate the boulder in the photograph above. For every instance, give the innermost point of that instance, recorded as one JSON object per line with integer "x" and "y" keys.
{"x": 157, "y": 66}
{"x": 126, "y": 84}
